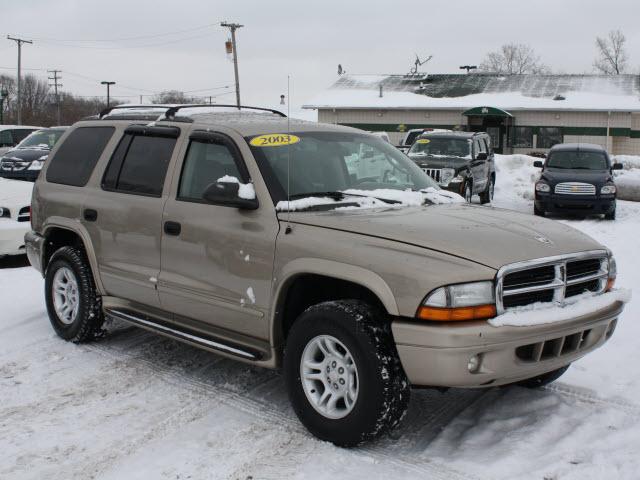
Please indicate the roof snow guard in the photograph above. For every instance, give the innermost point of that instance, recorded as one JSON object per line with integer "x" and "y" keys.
{"x": 486, "y": 112}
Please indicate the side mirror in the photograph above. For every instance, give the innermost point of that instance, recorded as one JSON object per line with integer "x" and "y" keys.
{"x": 538, "y": 164}
{"x": 616, "y": 166}
{"x": 226, "y": 194}
{"x": 482, "y": 156}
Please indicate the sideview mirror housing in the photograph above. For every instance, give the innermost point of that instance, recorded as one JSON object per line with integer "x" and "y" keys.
{"x": 617, "y": 166}
{"x": 538, "y": 164}
{"x": 226, "y": 194}
{"x": 482, "y": 156}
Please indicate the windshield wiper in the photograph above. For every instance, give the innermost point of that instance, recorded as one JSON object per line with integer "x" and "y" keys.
{"x": 335, "y": 195}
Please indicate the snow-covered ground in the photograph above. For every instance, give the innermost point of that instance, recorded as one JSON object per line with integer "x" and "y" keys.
{"x": 139, "y": 406}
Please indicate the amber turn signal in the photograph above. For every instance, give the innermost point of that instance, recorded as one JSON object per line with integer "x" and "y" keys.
{"x": 440, "y": 314}
{"x": 611, "y": 281}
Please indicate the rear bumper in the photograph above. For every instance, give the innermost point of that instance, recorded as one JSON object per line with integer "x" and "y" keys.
{"x": 34, "y": 245}
{"x": 577, "y": 204}
{"x": 12, "y": 236}
{"x": 438, "y": 354}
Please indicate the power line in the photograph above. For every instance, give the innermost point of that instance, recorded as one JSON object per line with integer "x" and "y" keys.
{"x": 123, "y": 47}
{"x": 233, "y": 27}
{"x": 19, "y": 41}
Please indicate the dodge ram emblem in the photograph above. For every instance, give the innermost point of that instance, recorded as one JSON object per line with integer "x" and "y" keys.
{"x": 542, "y": 239}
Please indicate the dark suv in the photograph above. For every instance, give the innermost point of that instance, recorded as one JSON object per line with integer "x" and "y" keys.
{"x": 577, "y": 178}
{"x": 461, "y": 162}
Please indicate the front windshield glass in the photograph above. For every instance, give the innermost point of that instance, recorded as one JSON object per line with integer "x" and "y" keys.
{"x": 441, "y": 147}
{"x": 578, "y": 160}
{"x": 41, "y": 139}
{"x": 317, "y": 162}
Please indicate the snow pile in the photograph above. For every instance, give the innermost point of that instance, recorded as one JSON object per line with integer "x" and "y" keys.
{"x": 516, "y": 177}
{"x": 245, "y": 191}
{"x": 628, "y": 179}
{"x": 375, "y": 199}
{"x": 541, "y": 313}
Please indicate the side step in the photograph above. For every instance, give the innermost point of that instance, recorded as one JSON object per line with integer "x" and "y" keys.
{"x": 196, "y": 338}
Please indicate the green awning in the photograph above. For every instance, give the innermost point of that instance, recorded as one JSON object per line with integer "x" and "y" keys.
{"x": 487, "y": 112}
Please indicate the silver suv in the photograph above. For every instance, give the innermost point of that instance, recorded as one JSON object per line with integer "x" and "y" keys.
{"x": 318, "y": 249}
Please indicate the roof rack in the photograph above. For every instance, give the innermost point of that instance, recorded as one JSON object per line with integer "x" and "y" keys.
{"x": 171, "y": 110}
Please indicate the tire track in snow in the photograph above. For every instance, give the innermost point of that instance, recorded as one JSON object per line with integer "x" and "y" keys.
{"x": 588, "y": 396}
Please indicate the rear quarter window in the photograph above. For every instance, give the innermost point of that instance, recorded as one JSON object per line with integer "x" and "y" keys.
{"x": 77, "y": 156}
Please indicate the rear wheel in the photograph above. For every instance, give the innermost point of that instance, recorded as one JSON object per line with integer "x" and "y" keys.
{"x": 544, "y": 379}
{"x": 343, "y": 374}
{"x": 73, "y": 304}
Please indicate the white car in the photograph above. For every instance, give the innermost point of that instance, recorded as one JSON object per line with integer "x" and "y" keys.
{"x": 15, "y": 215}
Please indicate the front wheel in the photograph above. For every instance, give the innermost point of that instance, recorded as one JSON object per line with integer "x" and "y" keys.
{"x": 538, "y": 212}
{"x": 343, "y": 374}
{"x": 487, "y": 195}
{"x": 612, "y": 214}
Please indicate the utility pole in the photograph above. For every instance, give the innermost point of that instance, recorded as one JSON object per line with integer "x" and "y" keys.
{"x": 233, "y": 27}
{"x": 55, "y": 86}
{"x": 19, "y": 41}
{"x": 108, "y": 84}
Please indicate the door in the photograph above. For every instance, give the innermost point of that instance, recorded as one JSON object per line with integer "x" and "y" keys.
{"x": 478, "y": 166}
{"x": 124, "y": 217}
{"x": 217, "y": 260}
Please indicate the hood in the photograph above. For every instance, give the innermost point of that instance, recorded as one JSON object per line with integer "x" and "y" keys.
{"x": 429, "y": 161}
{"x": 595, "y": 177}
{"x": 26, "y": 154}
{"x": 490, "y": 236}
{"x": 15, "y": 193}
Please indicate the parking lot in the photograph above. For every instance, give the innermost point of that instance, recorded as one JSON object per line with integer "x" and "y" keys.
{"x": 137, "y": 405}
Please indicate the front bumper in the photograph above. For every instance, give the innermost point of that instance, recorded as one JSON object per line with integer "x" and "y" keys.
{"x": 12, "y": 236}
{"x": 576, "y": 204}
{"x": 30, "y": 175}
{"x": 435, "y": 354}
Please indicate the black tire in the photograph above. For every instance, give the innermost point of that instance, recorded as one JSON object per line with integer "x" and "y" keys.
{"x": 468, "y": 192}
{"x": 487, "y": 195}
{"x": 544, "y": 379}
{"x": 383, "y": 389}
{"x": 537, "y": 212}
{"x": 87, "y": 322}
{"x": 611, "y": 215}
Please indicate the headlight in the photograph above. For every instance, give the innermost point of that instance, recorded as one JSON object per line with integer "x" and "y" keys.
{"x": 465, "y": 301}
{"x": 608, "y": 190}
{"x": 446, "y": 175}
{"x": 542, "y": 187}
{"x": 613, "y": 272}
{"x": 5, "y": 213}
{"x": 36, "y": 165}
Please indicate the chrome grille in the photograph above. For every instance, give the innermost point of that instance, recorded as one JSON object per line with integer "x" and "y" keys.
{"x": 575, "y": 188}
{"x": 435, "y": 173}
{"x": 551, "y": 279}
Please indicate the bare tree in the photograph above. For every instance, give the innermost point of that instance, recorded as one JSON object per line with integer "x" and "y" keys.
{"x": 612, "y": 56}
{"x": 172, "y": 96}
{"x": 513, "y": 59}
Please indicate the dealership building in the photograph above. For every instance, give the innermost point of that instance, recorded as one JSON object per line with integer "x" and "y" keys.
{"x": 521, "y": 113}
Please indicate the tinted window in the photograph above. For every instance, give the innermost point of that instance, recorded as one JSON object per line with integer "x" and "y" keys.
{"x": 6, "y": 140}
{"x": 549, "y": 136}
{"x": 21, "y": 134}
{"x": 522, "y": 137}
{"x": 578, "y": 160}
{"x": 142, "y": 168}
{"x": 441, "y": 147}
{"x": 205, "y": 164}
{"x": 77, "y": 156}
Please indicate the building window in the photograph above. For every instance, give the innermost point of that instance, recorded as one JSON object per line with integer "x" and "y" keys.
{"x": 522, "y": 137}
{"x": 549, "y": 136}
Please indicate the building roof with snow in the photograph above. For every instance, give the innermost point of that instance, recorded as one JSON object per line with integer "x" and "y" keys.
{"x": 464, "y": 91}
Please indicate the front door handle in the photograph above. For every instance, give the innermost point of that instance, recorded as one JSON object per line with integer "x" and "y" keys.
{"x": 172, "y": 228}
{"x": 90, "y": 215}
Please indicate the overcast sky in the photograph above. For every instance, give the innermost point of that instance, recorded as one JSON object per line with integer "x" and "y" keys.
{"x": 303, "y": 39}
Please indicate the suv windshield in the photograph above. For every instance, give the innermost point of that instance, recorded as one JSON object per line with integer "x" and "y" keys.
{"x": 317, "y": 162}
{"x": 578, "y": 160}
{"x": 45, "y": 139}
{"x": 442, "y": 147}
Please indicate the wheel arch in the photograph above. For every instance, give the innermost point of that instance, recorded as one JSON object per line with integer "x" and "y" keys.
{"x": 311, "y": 272}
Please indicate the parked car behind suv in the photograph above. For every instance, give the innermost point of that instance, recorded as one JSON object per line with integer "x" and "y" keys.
{"x": 12, "y": 135}
{"x": 461, "y": 162}
{"x": 25, "y": 161}
{"x": 576, "y": 178}
{"x": 316, "y": 248}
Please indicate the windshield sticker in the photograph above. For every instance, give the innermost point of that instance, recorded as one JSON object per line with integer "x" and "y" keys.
{"x": 423, "y": 140}
{"x": 274, "y": 140}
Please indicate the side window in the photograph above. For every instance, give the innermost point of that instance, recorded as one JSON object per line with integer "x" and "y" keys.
{"x": 482, "y": 147}
{"x": 206, "y": 163}
{"x": 6, "y": 140}
{"x": 77, "y": 156}
{"x": 19, "y": 135}
{"x": 139, "y": 165}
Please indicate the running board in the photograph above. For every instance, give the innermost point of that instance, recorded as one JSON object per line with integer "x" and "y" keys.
{"x": 186, "y": 336}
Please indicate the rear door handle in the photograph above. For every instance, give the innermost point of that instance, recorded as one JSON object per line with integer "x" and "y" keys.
{"x": 172, "y": 228}
{"x": 90, "y": 215}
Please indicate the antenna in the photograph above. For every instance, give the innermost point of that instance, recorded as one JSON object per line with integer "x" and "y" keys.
{"x": 418, "y": 63}
{"x": 288, "y": 229}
